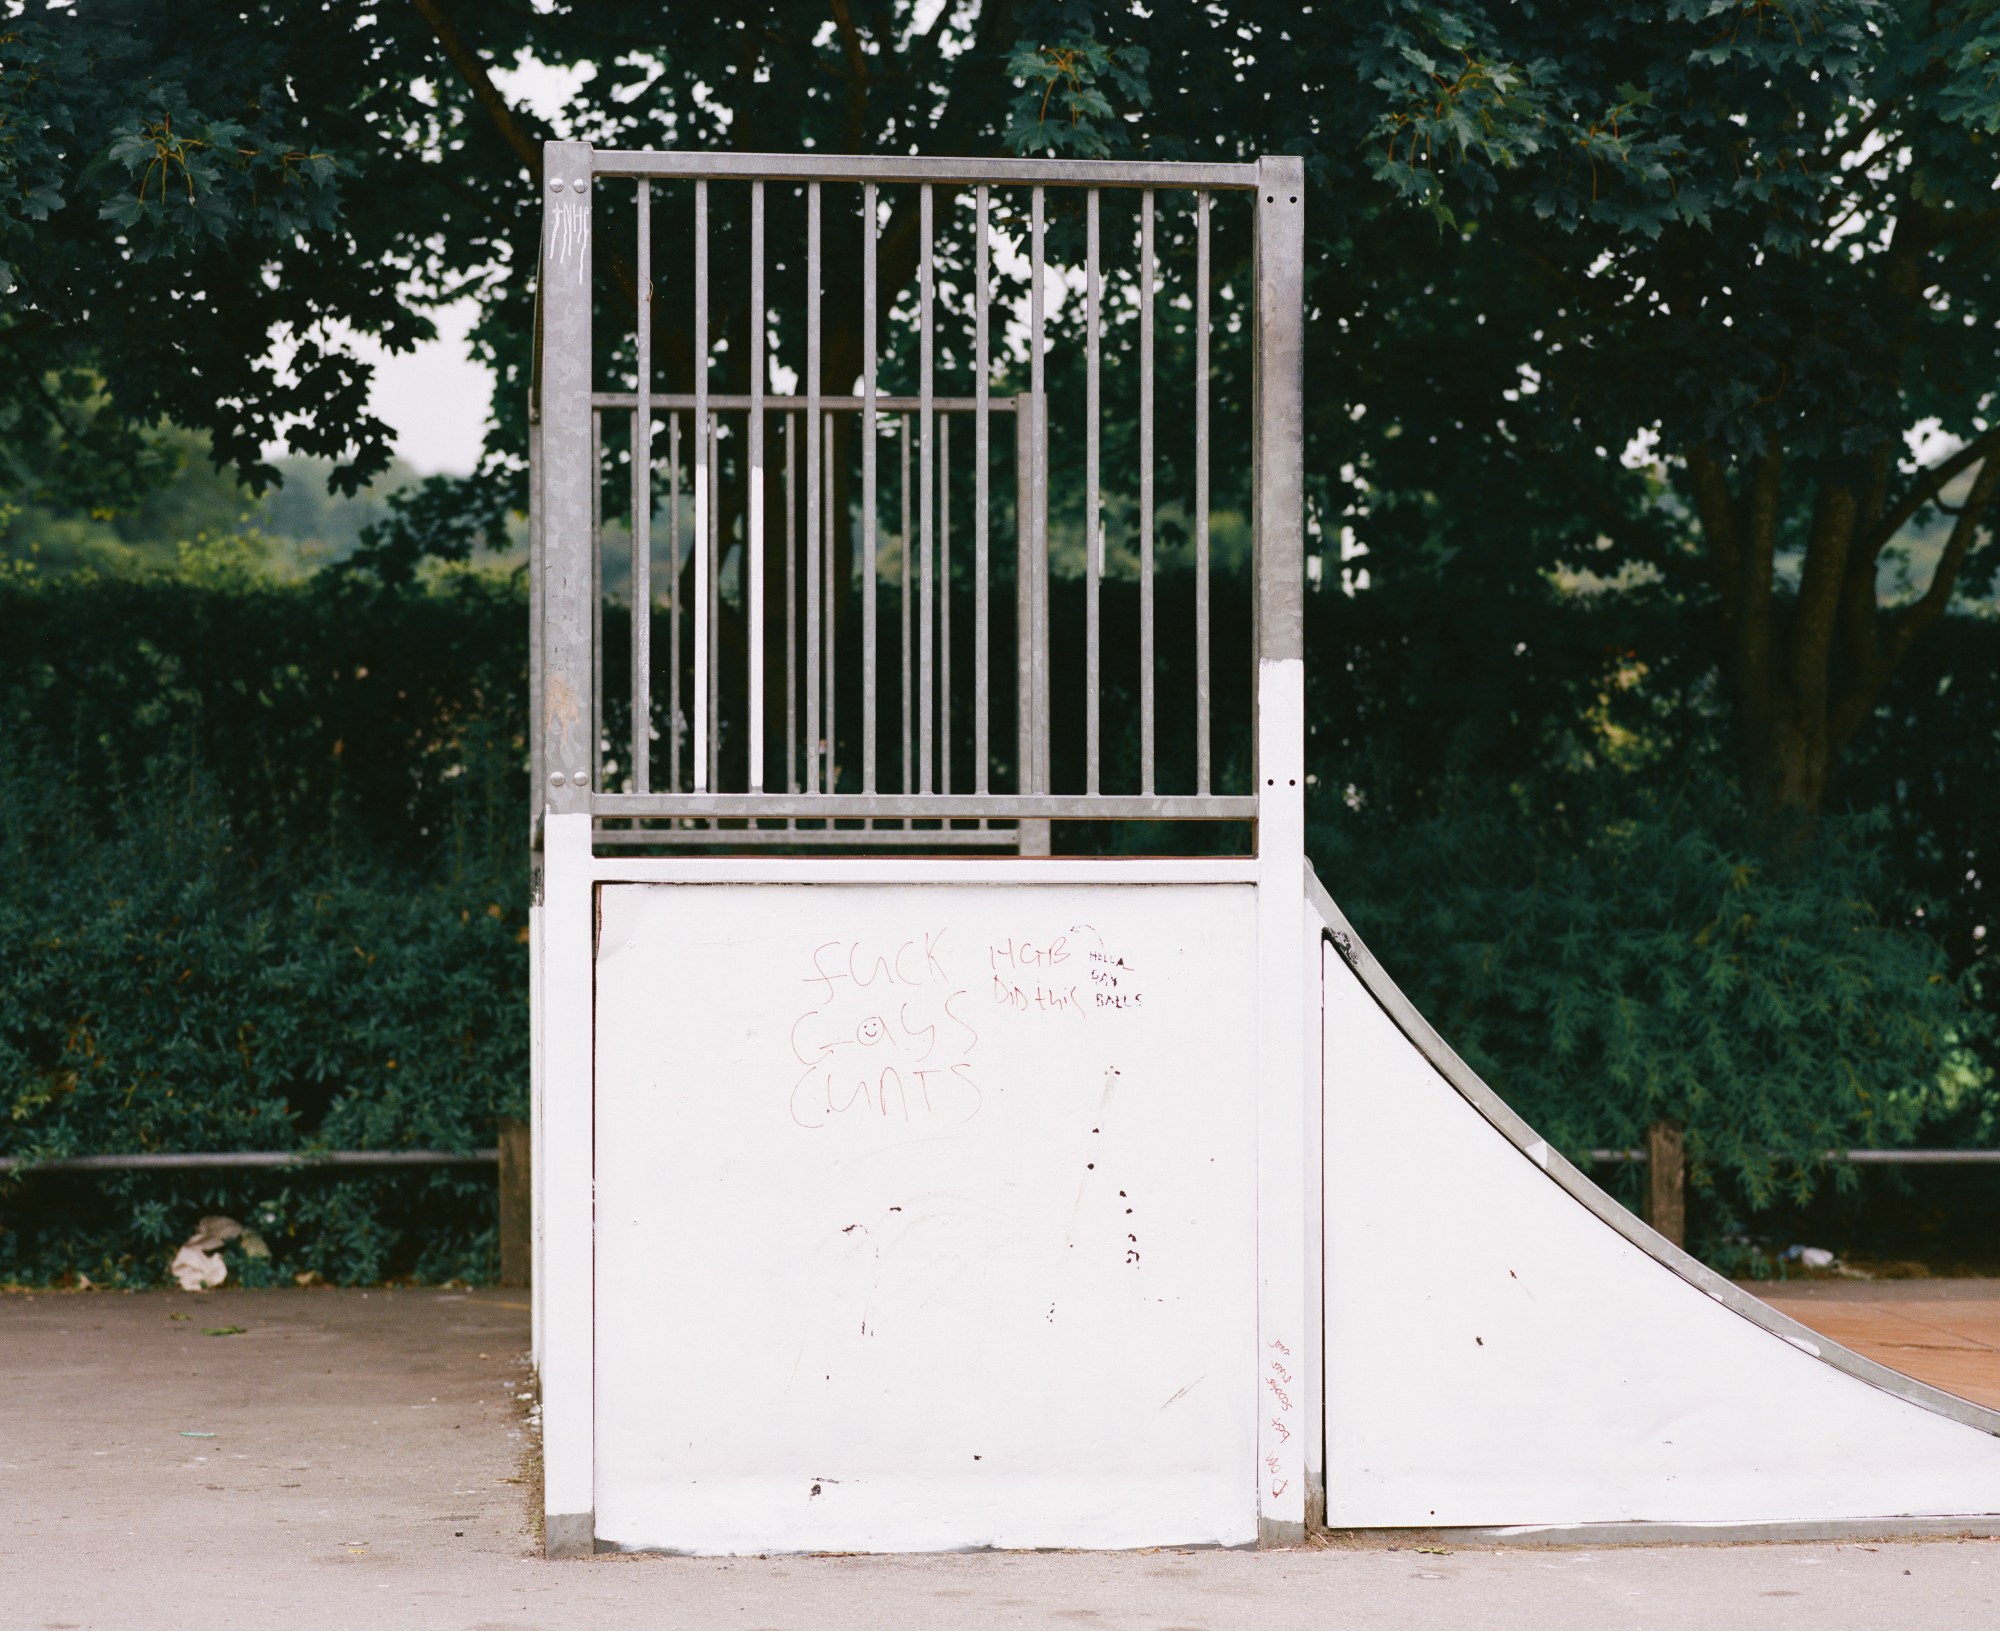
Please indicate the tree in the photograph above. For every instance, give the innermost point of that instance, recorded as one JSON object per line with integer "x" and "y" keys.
{"x": 181, "y": 188}
{"x": 1755, "y": 242}
{"x": 1765, "y": 239}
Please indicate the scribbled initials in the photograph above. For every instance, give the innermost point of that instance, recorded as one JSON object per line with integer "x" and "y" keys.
{"x": 1031, "y": 976}
{"x": 569, "y": 232}
{"x": 1027, "y": 955}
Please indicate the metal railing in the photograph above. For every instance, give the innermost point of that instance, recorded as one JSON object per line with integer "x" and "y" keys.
{"x": 1854, "y": 1158}
{"x": 226, "y": 1160}
{"x": 765, "y": 479}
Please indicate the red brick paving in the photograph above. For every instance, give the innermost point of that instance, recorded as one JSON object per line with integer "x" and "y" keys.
{"x": 1945, "y": 1332}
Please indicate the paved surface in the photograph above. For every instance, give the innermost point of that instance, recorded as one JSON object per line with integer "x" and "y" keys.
{"x": 1946, "y": 1332}
{"x": 369, "y": 1468}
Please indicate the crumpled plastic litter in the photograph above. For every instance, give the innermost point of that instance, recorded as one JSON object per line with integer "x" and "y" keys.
{"x": 1812, "y": 1257}
{"x": 198, "y": 1265}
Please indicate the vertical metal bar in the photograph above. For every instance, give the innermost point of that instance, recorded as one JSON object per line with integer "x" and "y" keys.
{"x": 642, "y": 508}
{"x": 903, "y": 600}
{"x": 537, "y": 751}
{"x": 868, "y": 641}
{"x": 981, "y": 502}
{"x": 674, "y": 603}
{"x": 596, "y": 599}
{"x": 1147, "y": 276}
{"x": 1039, "y": 447}
{"x": 640, "y": 621}
{"x": 753, "y": 541}
{"x": 926, "y": 497}
{"x": 1277, "y": 455}
{"x": 813, "y": 466}
{"x": 568, "y": 479}
{"x": 832, "y": 621}
{"x": 1093, "y": 524}
{"x": 566, "y": 1357}
{"x": 1024, "y": 591}
{"x": 1203, "y": 765}
{"x": 712, "y": 549}
{"x": 1287, "y": 1295}
{"x": 944, "y": 603}
{"x": 791, "y": 423}
{"x": 704, "y": 499}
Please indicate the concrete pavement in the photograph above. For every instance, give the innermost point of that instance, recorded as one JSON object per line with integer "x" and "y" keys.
{"x": 363, "y": 1459}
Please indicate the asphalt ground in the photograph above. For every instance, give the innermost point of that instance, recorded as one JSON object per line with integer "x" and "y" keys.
{"x": 358, "y": 1459}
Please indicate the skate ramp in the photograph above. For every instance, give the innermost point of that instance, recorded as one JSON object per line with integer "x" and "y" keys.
{"x": 1506, "y": 1345}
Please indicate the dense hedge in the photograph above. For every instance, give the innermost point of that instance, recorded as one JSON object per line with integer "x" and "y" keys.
{"x": 1539, "y": 838}
{"x": 266, "y": 890}
{"x": 330, "y": 713}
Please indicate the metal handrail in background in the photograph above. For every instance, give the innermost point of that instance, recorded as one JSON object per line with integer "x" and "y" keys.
{"x": 179, "y": 1161}
{"x": 1858, "y": 1158}
{"x": 218, "y": 1160}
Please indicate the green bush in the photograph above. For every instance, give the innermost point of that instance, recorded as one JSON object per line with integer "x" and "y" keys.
{"x": 266, "y": 863}
{"x": 215, "y": 938}
{"x": 1611, "y": 951}
{"x": 328, "y": 712}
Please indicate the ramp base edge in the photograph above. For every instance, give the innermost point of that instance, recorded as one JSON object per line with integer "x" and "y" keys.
{"x": 1983, "y": 1527}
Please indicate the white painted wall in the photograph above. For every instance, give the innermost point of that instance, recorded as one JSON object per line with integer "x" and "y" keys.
{"x": 563, "y": 1157}
{"x": 1287, "y": 1289}
{"x": 1497, "y": 1355}
{"x": 926, "y": 1215}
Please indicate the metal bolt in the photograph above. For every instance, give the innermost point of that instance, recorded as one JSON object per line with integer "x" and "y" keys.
{"x": 581, "y": 778}
{"x": 556, "y": 780}
{"x": 555, "y": 186}
{"x": 579, "y": 184}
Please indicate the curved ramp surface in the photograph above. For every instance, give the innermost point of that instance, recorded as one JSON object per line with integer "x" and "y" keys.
{"x": 1507, "y": 1345}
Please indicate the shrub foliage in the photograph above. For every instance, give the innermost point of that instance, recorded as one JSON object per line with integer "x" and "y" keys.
{"x": 265, "y": 891}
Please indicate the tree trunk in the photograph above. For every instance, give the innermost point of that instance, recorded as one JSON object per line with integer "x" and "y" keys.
{"x": 1805, "y": 674}
{"x": 1786, "y": 759}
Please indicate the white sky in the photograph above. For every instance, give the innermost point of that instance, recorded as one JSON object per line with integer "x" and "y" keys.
{"x": 436, "y": 397}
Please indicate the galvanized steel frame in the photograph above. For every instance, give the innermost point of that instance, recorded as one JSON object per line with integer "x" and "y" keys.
{"x": 566, "y": 415}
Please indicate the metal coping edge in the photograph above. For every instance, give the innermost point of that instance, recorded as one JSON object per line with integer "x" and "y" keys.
{"x": 1467, "y": 1083}
{"x": 1673, "y": 1532}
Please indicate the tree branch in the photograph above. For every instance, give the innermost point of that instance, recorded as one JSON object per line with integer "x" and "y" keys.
{"x": 857, "y": 75}
{"x": 1915, "y": 618}
{"x": 1857, "y": 593}
{"x": 1927, "y": 486}
{"x": 465, "y": 61}
{"x": 1758, "y": 530}
{"x": 1717, "y": 509}
{"x": 1876, "y": 661}
{"x": 1814, "y": 618}
{"x": 1836, "y": 151}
